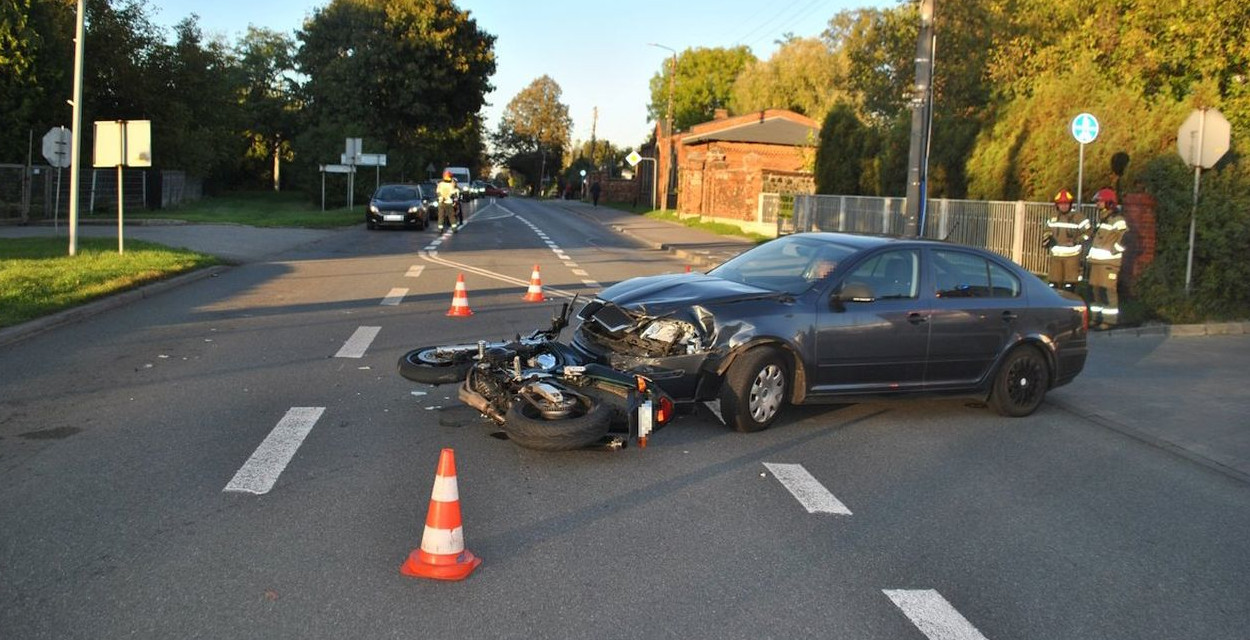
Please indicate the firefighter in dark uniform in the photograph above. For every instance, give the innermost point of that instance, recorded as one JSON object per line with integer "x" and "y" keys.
{"x": 1106, "y": 251}
{"x": 1066, "y": 234}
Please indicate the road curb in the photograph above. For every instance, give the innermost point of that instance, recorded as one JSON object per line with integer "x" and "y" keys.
{"x": 17, "y": 333}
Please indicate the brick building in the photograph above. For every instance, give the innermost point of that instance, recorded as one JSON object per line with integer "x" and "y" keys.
{"x": 723, "y": 166}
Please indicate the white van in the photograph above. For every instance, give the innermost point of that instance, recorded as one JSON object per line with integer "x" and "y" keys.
{"x": 463, "y": 180}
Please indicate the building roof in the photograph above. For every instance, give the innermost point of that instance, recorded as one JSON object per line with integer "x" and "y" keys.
{"x": 767, "y": 127}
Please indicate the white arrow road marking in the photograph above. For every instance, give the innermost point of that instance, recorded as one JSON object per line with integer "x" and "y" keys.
{"x": 933, "y": 615}
{"x": 395, "y": 297}
{"x": 356, "y": 345}
{"x": 261, "y": 471}
{"x": 415, "y": 271}
{"x": 807, "y": 490}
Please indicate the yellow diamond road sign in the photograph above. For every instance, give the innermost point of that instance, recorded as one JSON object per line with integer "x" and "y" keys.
{"x": 633, "y": 158}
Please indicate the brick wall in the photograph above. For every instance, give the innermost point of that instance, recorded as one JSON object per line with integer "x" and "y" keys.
{"x": 1139, "y": 212}
{"x": 724, "y": 179}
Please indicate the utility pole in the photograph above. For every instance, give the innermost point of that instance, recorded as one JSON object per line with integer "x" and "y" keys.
{"x": 921, "y": 124}
{"x": 76, "y": 103}
{"x": 594, "y": 124}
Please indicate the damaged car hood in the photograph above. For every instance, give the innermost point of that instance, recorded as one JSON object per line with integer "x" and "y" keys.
{"x": 657, "y": 294}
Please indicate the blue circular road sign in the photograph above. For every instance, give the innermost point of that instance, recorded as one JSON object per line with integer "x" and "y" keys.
{"x": 1085, "y": 128}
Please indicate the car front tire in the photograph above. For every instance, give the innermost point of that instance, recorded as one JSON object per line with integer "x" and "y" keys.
{"x": 755, "y": 390}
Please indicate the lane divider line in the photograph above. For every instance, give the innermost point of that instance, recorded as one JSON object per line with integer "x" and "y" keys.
{"x": 356, "y": 345}
{"x": 395, "y": 297}
{"x": 806, "y": 489}
{"x": 933, "y": 615}
{"x": 261, "y": 471}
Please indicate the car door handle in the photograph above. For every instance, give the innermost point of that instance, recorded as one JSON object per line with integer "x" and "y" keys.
{"x": 917, "y": 318}
{"x": 1008, "y": 316}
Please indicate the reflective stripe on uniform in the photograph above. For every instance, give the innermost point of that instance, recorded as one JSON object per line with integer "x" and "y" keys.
{"x": 1118, "y": 225}
{"x": 1098, "y": 253}
{"x": 1060, "y": 251}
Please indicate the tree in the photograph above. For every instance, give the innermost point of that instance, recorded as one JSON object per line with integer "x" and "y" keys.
{"x": 409, "y": 76}
{"x": 35, "y": 35}
{"x": 842, "y": 152}
{"x": 804, "y": 76}
{"x": 533, "y": 133}
{"x": 266, "y": 62}
{"x": 704, "y": 82}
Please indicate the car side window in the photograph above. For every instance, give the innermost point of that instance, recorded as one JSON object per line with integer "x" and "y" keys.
{"x": 1003, "y": 283}
{"x": 961, "y": 275}
{"x": 890, "y": 275}
{"x": 965, "y": 275}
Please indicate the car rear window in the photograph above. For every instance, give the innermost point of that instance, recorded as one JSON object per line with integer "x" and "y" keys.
{"x": 965, "y": 275}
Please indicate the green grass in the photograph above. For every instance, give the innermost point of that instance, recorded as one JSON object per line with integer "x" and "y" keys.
{"x": 38, "y": 277}
{"x": 260, "y": 209}
{"x": 719, "y": 228}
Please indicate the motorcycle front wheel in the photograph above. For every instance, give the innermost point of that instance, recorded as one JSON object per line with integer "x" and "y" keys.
{"x": 576, "y": 422}
{"x": 433, "y": 365}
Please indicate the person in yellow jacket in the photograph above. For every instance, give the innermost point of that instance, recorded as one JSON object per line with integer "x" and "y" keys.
{"x": 1106, "y": 251}
{"x": 447, "y": 191}
{"x": 1066, "y": 234}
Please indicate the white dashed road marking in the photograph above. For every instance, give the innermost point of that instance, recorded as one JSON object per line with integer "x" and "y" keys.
{"x": 261, "y": 471}
{"x": 395, "y": 297}
{"x": 810, "y": 493}
{"x": 415, "y": 271}
{"x": 933, "y": 615}
{"x": 356, "y": 345}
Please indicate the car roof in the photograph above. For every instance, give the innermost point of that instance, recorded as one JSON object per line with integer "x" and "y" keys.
{"x": 860, "y": 242}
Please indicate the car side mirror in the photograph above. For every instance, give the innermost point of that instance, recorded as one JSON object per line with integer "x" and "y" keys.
{"x": 851, "y": 292}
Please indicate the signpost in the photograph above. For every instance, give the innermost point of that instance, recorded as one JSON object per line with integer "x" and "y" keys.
{"x": 1085, "y": 130}
{"x": 121, "y": 143}
{"x": 1202, "y": 140}
{"x": 633, "y": 159}
{"x": 56, "y": 150}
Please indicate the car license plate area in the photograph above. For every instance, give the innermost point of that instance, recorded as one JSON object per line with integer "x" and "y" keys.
{"x": 393, "y": 217}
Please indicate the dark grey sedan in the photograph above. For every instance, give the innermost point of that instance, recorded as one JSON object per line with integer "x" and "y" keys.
{"x": 831, "y": 318}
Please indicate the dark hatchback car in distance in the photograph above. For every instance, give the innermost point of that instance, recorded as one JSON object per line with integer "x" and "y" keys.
{"x": 833, "y": 318}
{"x": 401, "y": 205}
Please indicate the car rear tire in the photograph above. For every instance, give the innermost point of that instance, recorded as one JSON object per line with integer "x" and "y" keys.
{"x": 428, "y": 366}
{"x": 1020, "y": 383}
{"x": 528, "y": 426}
{"x": 755, "y": 390}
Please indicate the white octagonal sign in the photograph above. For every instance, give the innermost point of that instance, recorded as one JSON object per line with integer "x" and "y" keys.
{"x": 1203, "y": 139}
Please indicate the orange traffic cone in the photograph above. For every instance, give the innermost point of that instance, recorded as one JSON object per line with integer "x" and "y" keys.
{"x": 535, "y": 292}
{"x": 442, "y": 555}
{"x": 460, "y": 300}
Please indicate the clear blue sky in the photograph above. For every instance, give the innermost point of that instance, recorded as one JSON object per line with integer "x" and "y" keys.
{"x": 596, "y": 51}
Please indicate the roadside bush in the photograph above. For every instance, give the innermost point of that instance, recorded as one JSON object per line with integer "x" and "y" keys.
{"x": 1221, "y": 271}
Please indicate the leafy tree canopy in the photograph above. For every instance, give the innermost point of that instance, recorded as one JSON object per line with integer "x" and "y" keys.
{"x": 703, "y": 82}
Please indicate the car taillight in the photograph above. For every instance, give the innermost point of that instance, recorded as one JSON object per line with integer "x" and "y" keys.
{"x": 1085, "y": 317}
{"x": 665, "y": 412}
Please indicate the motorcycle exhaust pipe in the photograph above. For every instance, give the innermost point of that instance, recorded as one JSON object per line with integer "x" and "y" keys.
{"x": 477, "y": 401}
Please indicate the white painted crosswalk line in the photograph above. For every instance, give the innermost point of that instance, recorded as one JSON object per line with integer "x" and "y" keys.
{"x": 261, "y": 471}
{"x": 395, "y": 297}
{"x": 807, "y": 490}
{"x": 356, "y": 345}
{"x": 415, "y": 271}
{"x": 933, "y": 615}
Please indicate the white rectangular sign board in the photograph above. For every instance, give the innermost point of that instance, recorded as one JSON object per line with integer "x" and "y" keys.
{"x": 108, "y": 144}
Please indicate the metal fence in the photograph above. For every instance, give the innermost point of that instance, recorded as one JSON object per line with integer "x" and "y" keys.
{"x": 41, "y": 192}
{"x": 1010, "y": 229}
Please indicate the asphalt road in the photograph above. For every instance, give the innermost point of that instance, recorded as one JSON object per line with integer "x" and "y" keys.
{"x": 119, "y": 436}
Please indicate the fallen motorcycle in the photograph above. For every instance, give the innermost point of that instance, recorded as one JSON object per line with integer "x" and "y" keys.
{"x": 541, "y": 392}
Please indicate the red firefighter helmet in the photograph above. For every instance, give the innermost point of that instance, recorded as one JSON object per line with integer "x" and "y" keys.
{"x": 1106, "y": 198}
{"x": 447, "y": 175}
{"x": 1064, "y": 197}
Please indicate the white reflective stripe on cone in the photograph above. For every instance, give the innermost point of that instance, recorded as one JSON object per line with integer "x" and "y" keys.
{"x": 442, "y": 541}
{"x": 445, "y": 489}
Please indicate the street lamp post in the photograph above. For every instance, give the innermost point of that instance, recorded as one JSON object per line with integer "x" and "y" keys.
{"x": 672, "y": 78}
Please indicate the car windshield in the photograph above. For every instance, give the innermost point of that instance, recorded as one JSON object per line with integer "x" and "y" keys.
{"x": 397, "y": 193}
{"x": 792, "y": 264}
